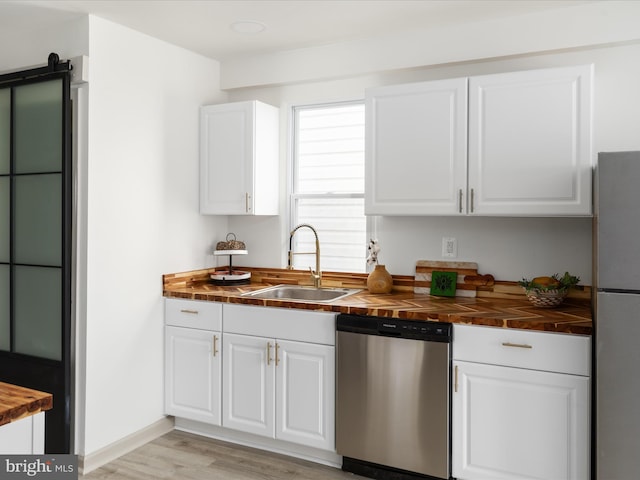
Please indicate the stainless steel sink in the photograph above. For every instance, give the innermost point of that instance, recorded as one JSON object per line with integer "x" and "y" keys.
{"x": 300, "y": 293}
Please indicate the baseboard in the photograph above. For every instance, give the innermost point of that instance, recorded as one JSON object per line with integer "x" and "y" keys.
{"x": 109, "y": 453}
{"x": 324, "y": 457}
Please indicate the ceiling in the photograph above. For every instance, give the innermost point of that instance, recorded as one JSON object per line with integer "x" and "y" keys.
{"x": 204, "y": 26}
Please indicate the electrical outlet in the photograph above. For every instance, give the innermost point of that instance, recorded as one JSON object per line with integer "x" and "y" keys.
{"x": 449, "y": 247}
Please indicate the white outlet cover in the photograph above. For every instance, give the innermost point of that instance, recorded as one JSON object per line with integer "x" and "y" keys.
{"x": 449, "y": 247}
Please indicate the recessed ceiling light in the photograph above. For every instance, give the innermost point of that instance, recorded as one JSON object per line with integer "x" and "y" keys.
{"x": 248, "y": 26}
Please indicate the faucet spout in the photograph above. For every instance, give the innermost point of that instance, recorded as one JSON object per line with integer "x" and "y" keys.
{"x": 316, "y": 274}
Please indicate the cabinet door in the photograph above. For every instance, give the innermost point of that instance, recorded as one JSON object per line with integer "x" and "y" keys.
{"x": 193, "y": 374}
{"x": 226, "y": 164}
{"x": 305, "y": 394}
{"x": 24, "y": 436}
{"x": 239, "y": 159}
{"x": 511, "y": 423}
{"x": 530, "y": 142}
{"x": 416, "y": 149}
{"x": 249, "y": 382}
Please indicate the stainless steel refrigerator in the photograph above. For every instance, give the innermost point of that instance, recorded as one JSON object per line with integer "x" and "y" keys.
{"x": 617, "y": 322}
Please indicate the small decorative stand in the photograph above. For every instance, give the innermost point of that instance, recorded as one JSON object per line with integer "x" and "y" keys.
{"x": 230, "y": 276}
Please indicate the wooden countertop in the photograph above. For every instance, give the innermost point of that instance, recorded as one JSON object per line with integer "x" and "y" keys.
{"x": 20, "y": 402}
{"x": 573, "y": 316}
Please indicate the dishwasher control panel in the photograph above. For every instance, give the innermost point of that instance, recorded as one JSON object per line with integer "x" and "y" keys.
{"x": 393, "y": 327}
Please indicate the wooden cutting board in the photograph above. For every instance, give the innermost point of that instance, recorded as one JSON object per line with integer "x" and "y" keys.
{"x": 424, "y": 268}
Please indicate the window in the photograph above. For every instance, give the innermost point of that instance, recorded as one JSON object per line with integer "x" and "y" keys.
{"x": 328, "y": 185}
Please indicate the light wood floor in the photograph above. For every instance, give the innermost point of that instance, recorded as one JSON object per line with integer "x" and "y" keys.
{"x": 179, "y": 455}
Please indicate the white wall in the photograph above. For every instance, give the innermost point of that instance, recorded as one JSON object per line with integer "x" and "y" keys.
{"x": 508, "y": 248}
{"x": 142, "y": 218}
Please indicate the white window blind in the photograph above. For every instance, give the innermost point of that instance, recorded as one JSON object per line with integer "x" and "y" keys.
{"x": 328, "y": 186}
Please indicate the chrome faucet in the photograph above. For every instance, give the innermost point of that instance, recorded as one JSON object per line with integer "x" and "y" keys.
{"x": 315, "y": 274}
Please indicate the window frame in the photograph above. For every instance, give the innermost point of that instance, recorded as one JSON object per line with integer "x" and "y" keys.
{"x": 292, "y": 172}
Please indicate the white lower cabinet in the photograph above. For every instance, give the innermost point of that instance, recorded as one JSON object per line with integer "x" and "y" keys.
{"x": 24, "y": 436}
{"x": 279, "y": 389}
{"x": 193, "y": 360}
{"x": 280, "y": 386}
{"x": 514, "y": 421}
{"x": 193, "y": 374}
{"x": 268, "y": 372}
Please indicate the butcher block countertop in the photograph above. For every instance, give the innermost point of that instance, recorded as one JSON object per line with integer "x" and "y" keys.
{"x": 501, "y": 305}
{"x": 20, "y": 402}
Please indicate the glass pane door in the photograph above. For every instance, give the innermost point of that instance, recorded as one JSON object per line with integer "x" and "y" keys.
{"x": 35, "y": 242}
{"x": 37, "y": 219}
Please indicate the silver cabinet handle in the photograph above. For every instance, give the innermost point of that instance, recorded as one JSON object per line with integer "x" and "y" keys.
{"x": 455, "y": 383}
{"x": 516, "y": 345}
{"x": 215, "y": 345}
{"x": 471, "y": 200}
{"x": 277, "y": 356}
{"x": 460, "y": 201}
{"x": 194, "y": 312}
{"x": 269, "y": 353}
{"x": 247, "y": 202}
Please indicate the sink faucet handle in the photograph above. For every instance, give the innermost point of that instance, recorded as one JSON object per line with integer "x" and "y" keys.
{"x": 317, "y": 277}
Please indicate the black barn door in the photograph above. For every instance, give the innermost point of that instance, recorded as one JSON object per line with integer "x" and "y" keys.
{"x": 35, "y": 239}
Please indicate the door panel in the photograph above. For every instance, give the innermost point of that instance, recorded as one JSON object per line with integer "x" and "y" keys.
{"x": 36, "y": 244}
{"x": 38, "y": 219}
{"x": 305, "y": 394}
{"x": 248, "y": 384}
{"x": 505, "y": 420}
{"x": 38, "y": 127}
{"x": 194, "y": 371}
{"x": 37, "y": 325}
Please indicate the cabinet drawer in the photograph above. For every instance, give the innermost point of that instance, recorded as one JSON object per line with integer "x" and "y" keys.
{"x": 282, "y": 323}
{"x": 193, "y": 314}
{"x": 552, "y": 352}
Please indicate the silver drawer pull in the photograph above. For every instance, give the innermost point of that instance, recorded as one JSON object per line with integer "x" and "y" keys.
{"x": 195, "y": 312}
{"x": 517, "y": 345}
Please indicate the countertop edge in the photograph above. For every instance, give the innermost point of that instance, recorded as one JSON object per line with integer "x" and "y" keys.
{"x": 521, "y": 315}
{"x": 18, "y": 402}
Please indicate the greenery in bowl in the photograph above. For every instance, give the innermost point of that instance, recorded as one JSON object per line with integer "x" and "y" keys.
{"x": 554, "y": 283}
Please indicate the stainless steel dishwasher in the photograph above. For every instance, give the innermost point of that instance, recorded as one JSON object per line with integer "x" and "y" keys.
{"x": 392, "y": 399}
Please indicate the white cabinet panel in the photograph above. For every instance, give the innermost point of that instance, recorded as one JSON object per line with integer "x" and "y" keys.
{"x": 283, "y": 323}
{"x": 239, "y": 159}
{"x": 193, "y": 374}
{"x": 305, "y": 391}
{"x": 515, "y": 424}
{"x": 23, "y": 437}
{"x": 416, "y": 142}
{"x": 249, "y": 384}
{"x": 530, "y": 142}
{"x": 552, "y": 352}
{"x": 193, "y": 314}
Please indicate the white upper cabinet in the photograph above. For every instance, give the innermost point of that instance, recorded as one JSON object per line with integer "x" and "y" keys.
{"x": 239, "y": 159}
{"x": 524, "y": 149}
{"x": 530, "y": 142}
{"x": 416, "y": 148}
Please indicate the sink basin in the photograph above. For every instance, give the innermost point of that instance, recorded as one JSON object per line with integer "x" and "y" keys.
{"x": 299, "y": 293}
